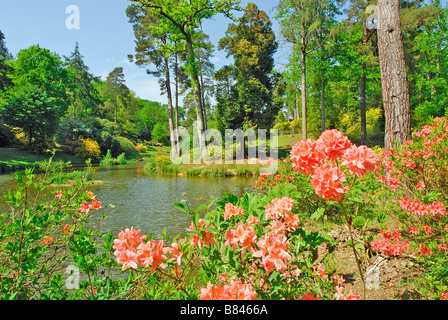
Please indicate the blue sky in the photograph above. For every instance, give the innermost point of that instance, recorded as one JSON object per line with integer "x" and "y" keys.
{"x": 105, "y": 37}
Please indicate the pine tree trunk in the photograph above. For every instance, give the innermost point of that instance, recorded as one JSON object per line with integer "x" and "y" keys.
{"x": 304, "y": 124}
{"x": 322, "y": 105}
{"x": 363, "y": 106}
{"x": 395, "y": 86}
{"x": 197, "y": 94}
{"x": 170, "y": 108}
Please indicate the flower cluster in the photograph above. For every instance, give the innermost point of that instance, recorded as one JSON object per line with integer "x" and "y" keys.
{"x": 131, "y": 251}
{"x": 201, "y": 236}
{"x": 231, "y": 210}
{"x": 235, "y": 290}
{"x": 279, "y": 211}
{"x": 389, "y": 243}
{"x": 418, "y": 208}
{"x": 243, "y": 235}
{"x": 86, "y": 207}
{"x": 321, "y": 160}
{"x": 272, "y": 251}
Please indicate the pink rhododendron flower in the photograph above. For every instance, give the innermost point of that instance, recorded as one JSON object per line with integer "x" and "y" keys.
{"x": 309, "y": 296}
{"x": 306, "y": 156}
{"x": 207, "y": 236}
{"x": 230, "y": 210}
{"x": 128, "y": 239}
{"x": 425, "y": 251}
{"x": 127, "y": 258}
{"x": 420, "y": 186}
{"x": 322, "y": 271}
{"x": 292, "y": 222}
{"x": 437, "y": 209}
{"x": 333, "y": 143}
{"x": 153, "y": 253}
{"x": 253, "y": 220}
{"x": 359, "y": 160}
{"x": 95, "y": 204}
{"x": 59, "y": 194}
{"x": 236, "y": 290}
{"x": 85, "y": 207}
{"x": 176, "y": 254}
{"x": 46, "y": 241}
{"x": 394, "y": 183}
{"x": 340, "y": 295}
{"x": 242, "y": 235}
{"x": 327, "y": 182}
{"x": 279, "y": 208}
{"x": 389, "y": 243}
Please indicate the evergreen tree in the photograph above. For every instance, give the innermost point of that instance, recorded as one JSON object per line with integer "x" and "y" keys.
{"x": 83, "y": 95}
{"x": 252, "y": 44}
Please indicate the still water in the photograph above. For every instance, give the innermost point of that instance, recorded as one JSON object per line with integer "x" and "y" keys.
{"x": 133, "y": 198}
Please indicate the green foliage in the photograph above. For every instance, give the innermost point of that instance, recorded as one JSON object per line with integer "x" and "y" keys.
{"x": 39, "y": 67}
{"x": 30, "y": 108}
{"x": 127, "y": 146}
{"x": 248, "y": 86}
{"x": 160, "y": 134}
{"x": 42, "y": 242}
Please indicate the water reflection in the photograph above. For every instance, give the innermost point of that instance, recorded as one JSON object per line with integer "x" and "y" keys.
{"x": 146, "y": 201}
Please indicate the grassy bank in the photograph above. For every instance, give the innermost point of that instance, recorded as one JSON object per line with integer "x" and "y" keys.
{"x": 16, "y": 159}
{"x": 159, "y": 161}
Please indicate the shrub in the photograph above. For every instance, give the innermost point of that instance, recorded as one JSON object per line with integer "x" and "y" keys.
{"x": 283, "y": 127}
{"x": 88, "y": 149}
{"x": 41, "y": 242}
{"x": 160, "y": 134}
{"x": 5, "y": 136}
{"x": 141, "y": 148}
{"x": 127, "y": 146}
{"x": 107, "y": 160}
{"x": 296, "y": 126}
{"x": 73, "y": 129}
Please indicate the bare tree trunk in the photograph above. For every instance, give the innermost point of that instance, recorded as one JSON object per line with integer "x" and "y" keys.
{"x": 363, "y": 106}
{"x": 304, "y": 124}
{"x": 363, "y": 102}
{"x": 170, "y": 107}
{"x": 395, "y": 86}
{"x": 197, "y": 94}
{"x": 322, "y": 105}
{"x": 176, "y": 124}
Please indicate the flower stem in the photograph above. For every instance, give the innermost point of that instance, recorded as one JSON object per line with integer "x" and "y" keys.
{"x": 354, "y": 250}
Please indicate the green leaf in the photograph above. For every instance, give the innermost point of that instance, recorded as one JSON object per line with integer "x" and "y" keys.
{"x": 317, "y": 214}
{"x": 196, "y": 219}
{"x": 182, "y": 207}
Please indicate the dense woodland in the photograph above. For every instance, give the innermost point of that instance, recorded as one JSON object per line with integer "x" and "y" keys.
{"x": 332, "y": 79}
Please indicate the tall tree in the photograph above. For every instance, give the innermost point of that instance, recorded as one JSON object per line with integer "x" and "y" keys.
{"x": 115, "y": 91}
{"x": 154, "y": 48}
{"x": 300, "y": 20}
{"x": 5, "y": 68}
{"x": 180, "y": 20}
{"x": 397, "y": 109}
{"x": 31, "y": 109}
{"x": 252, "y": 44}
{"x": 45, "y": 69}
{"x": 84, "y": 96}
{"x": 362, "y": 15}
{"x": 431, "y": 74}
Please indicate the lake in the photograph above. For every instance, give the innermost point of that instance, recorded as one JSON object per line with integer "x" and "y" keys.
{"x": 131, "y": 197}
